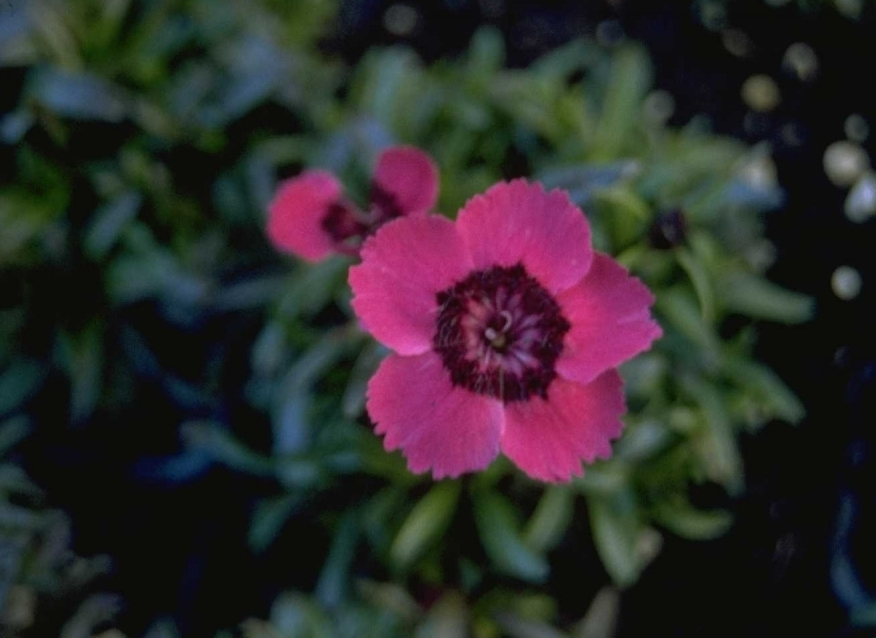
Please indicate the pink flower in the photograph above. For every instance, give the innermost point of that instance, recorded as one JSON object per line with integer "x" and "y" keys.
{"x": 310, "y": 217}
{"x": 506, "y": 329}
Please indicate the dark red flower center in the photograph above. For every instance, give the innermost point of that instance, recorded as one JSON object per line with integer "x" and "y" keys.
{"x": 499, "y": 333}
{"x": 348, "y": 226}
{"x": 343, "y": 224}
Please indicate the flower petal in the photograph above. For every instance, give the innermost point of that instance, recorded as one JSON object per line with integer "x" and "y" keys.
{"x": 516, "y": 221}
{"x": 548, "y": 439}
{"x": 408, "y": 178}
{"x": 437, "y": 426}
{"x": 404, "y": 265}
{"x": 297, "y": 212}
{"x": 611, "y": 322}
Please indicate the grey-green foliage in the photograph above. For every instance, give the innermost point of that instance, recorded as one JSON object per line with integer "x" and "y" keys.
{"x": 208, "y": 105}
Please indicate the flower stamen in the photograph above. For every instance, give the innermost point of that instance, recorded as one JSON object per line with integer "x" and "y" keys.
{"x": 499, "y": 333}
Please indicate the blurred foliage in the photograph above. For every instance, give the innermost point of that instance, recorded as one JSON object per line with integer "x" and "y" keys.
{"x": 38, "y": 570}
{"x": 144, "y": 141}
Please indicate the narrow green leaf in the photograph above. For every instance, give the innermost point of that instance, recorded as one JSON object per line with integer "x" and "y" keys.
{"x": 353, "y": 401}
{"x": 79, "y": 96}
{"x": 630, "y": 81}
{"x": 292, "y": 431}
{"x": 109, "y": 222}
{"x": 425, "y": 525}
{"x": 301, "y": 472}
{"x": 13, "y": 480}
{"x": 486, "y": 54}
{"x": 12, "y": 432}
{"x": 616, "y": 523}
{"x": 448, "y": 617}
{"x": 224, "y": 448}
{"x": 601, "y": 618}
{"x": 311, "y": 287}
{"x": 19, "y": 382}
{"x": 12, "y": 548}
{"x": 756, "y": 297}
{"x": 268, "y": 519}
{"x": 602, "y": 478}
{"x": 516, "y": 626}
{"x": 584, "y": 181}
{"x": 551, "y": 518}
{"x": 764, "y": 384}
{"x": 702, "y": 284}
{"x": 390, "y": 76}
{"x": 17, "y": 44}
{"x": 643, "y": 440}
{"x": 502, "y": 538}
{"x": 720, "y": 452}
{"x": 15, "y": 125}
{"x": 683, "y": 519}
{"x": 682, "y": 313}
{"x": 82, "y": 357}
{"x": 645, "y": 375}
{"x": 334, "y": 579}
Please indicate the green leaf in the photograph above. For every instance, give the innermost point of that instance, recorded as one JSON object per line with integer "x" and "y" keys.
{"x": 224, "y": 448}
{"x": 82, "y": 357}
{"x": 621, "y": 218}
{"x": 13, "y": 480}
{"x": 17, "y": 46}
{"x": 425, "y": 525}
{"x": 517, "y": 627}
{"x": 502, "y": 538}
{"x": 553, "y": 514}
{"x": 15, "y": 125}
{"x": 863, "y": 615}
{"x": 79, "y": 96}
{"x": 584, "y": 181}
{"x": 682, "y": 313}
{"x": 109, "y": 222}
{"x": 642, "y": 441}
{"x": 602, "y": 478}
{"x": 601, "y": 618}
{"x": 12, "y": 432}
{"x": 718, "y": 447}
{"x": 334, "y": 579}
{"x": 292, "y": 614}
{"x": 291, "y": 428}
{"x": 390, "y": 76}
{"x": 568, "y": 59}
{"x": 645, "y": 375}
{"x": 255, "y": 68}
{"x": 19, "y": 382}
{"x": 486, "y": 54}
{"x": 630, "y": 81}
{"x": 683, "y": 519}
{"x": 353, "y": 400}
{"x": 702, "y": 284}
{"x": 301, "y": 471}
{"x": 312, "y": 287}
{"x": 763, "y": 383}
{"x": 616, "y": 523}
{"x": 269, "y": 518}
{"x": 12, "y": 548}
{"x": 756, "y": 297}
{"x": 448, "y": 617}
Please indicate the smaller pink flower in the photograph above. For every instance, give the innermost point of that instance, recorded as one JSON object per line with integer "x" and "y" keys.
{"x": 506, "y": 330}
{"x": 310, "y": 217}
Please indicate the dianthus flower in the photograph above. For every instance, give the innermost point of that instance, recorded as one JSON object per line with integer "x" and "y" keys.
{"x": 506, "y": 330}
{"x": 310, "y": 217}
